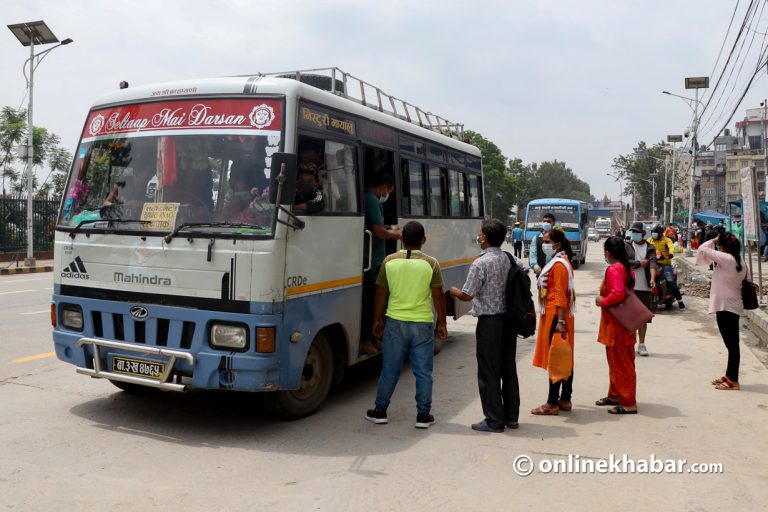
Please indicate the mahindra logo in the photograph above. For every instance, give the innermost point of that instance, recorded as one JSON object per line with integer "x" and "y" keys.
{"x": 139, "y": 312}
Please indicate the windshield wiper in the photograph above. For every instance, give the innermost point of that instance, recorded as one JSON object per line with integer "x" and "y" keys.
{"x": 184, "y": 225}
{"x": 109, "y": 222}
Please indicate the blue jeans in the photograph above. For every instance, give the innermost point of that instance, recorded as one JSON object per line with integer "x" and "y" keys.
{"x": 417, "y": 341}
{"x": 671, "y": 281}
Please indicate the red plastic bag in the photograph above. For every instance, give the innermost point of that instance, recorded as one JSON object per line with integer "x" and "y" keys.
{"x": 560, "y": 358}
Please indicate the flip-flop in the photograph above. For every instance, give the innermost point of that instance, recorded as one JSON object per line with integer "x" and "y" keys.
{"x": 727, "y": 385}
{"x": 619, "y": 409}
{"x": 606, "y": 401}
{"x": 544, "y": 410}
{"x": 719, "y": 380}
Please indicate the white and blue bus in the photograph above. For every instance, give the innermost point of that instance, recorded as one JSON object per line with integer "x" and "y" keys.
{"x": 176, "y": 270}
{"x": 570, "y": 214}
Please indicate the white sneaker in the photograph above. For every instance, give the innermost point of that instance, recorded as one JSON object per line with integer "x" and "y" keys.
{"x": 642, "y": 350}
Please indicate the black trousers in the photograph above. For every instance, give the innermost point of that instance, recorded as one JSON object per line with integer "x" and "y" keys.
{"x": 518, "y": 249}
{"x": 728, "y": 323}
{"x": 555, "y": 394}
{"x": 497, "y": 370}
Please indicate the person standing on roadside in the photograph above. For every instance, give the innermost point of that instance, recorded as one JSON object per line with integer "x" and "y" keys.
{"x": 496, "y": 342}
{"x": 619, "y": 342}
{"x": 557, "y": 305}
{"x": 536, "y": 256}
{"x": 517, "y": 240}
{"x": 642, "y": 258}
{"x": 413, "y": 282}
{"x": 725, "y": 300}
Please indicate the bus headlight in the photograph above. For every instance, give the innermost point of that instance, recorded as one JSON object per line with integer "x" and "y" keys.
{"x": 229, "y": 336}
{"x": 72, "y": 317}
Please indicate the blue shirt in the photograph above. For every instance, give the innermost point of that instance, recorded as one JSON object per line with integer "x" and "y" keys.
{"x": 374, "y": 215}
{"x": 517, "y": 235}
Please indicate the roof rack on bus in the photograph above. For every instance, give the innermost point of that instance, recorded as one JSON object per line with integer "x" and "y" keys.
{"x": 343, "y": 84}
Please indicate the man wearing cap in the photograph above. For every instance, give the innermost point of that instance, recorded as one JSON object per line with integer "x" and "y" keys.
{"x": 642, "y": 255}
{"x": 517, "y": 239}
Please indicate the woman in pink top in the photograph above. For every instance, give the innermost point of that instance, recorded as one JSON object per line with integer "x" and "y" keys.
{"x": 725, "y": 299}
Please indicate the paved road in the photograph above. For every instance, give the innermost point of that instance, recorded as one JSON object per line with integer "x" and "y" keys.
{"x": 72, "y": 443}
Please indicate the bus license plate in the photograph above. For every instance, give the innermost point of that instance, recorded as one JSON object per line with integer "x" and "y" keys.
{"x": 137, "y": 367}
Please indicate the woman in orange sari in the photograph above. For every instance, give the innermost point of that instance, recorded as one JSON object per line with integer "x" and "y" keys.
{"x": 619, "y": 343}
{"x": 557, "y": 303}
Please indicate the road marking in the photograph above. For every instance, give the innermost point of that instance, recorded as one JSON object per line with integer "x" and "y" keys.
{"x": 37, "y": 312}
{"x": 48, "y": 288}
{"x": 34, "y": 358}
{"x": 17, "y": 291}
{"x": 26, "y": 280}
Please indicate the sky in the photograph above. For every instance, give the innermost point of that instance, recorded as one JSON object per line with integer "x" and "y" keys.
{"x": 578, "y": 81}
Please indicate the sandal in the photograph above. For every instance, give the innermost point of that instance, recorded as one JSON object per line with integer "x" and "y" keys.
{"x": 727, "y": 385}
{"x": 565, "y": 405}
{"x": 619, "y": 409}
{"x": 606, "y": 401}
{"x": 546, "y": 410}
{"x": 719, "y": 380}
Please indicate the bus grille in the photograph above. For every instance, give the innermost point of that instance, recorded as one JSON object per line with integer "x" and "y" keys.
{"x": 159, "y": 332}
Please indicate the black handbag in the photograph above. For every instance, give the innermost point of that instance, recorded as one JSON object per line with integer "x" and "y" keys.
{"x": 749, "y": 294}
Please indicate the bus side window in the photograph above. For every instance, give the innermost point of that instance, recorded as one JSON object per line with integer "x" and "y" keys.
{"x": 458, "y": 194}
{"x": 474, "y": 195}
{"x": 338, "y": 178}
{"x": 412, "y": 174}
{"x": 438, "y": 198}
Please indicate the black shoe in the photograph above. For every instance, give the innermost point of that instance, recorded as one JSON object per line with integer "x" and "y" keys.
{"x": 680, "y": 304}
{"x": 483, "y": 426}
{"x": 424, "y": 420}
{"x": 512, "y": 425}
{"x": 377, "y": 416}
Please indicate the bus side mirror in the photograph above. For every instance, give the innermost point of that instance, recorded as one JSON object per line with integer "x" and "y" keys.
{"x": 285, "y": 163}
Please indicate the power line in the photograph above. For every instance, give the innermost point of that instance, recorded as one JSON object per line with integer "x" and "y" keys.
{"x": 747, "y": 20}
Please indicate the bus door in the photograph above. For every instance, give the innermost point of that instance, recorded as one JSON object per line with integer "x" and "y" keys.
{"x": 323, "y": 260}
{"x": 376, "y": 161}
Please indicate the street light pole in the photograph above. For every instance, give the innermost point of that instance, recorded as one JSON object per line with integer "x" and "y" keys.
{"x": 29, "y": 34}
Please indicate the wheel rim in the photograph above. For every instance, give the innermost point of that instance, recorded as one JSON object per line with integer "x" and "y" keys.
{"x": 310, "y": 375}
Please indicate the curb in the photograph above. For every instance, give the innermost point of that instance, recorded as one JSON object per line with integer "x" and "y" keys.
{"x": 757, "y": 320}
{"x": 25, "y": 270}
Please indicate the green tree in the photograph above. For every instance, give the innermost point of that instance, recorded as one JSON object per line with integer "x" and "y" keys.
{"x": 499, "y": 186}
{"x": 553, "y": 179}
{"x": 59, "y": 161}
{"x": 638, "y": 171}
{"x": 13, "y": 129}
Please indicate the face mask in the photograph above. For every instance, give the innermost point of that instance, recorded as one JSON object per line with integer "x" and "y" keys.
{"x": 548, "y": 249}
{"x": 607, "y": 260}
{"x": 383, "y": 199}
{"x": 655, "y": 236}
{"x": 636, "y": 237}
{"x": 546, "y": 226}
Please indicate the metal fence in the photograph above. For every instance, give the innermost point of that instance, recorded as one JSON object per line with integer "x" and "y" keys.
{"x": 13, "y": 224}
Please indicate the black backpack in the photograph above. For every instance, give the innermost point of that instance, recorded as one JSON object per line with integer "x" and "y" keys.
{"x": 517, "y": 293}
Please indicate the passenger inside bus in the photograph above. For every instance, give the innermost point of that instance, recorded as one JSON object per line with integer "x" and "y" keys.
{"x": 134, "y": 187}
{"x": 309, "y": 195}
{"x": 190, "y": 182}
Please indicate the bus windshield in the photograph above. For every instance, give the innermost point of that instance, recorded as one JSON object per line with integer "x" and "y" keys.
{"x": 566, "y": 216}
{"x": 135, "y": 178}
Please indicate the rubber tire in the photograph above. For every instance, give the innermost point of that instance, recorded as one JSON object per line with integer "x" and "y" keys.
{"x": 575, "y": 264}
{"x": 134, "y": 389}
{"x": 287, "y": 405}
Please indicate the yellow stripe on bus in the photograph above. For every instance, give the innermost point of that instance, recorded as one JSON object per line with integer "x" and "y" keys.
{"x": 453, "y": 263}
{"x": 337, "y": 283}
{"x": 316, "y": 287}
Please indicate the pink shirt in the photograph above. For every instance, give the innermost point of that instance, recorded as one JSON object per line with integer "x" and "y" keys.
{"x": 725, "y": 293}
